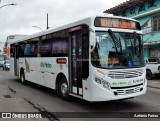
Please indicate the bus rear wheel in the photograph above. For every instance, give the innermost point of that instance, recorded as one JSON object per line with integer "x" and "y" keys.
{"x": 63, "y": 89}
{"x": 22, "y": 77}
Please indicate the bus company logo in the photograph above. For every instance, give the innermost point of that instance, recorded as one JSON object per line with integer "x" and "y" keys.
{"x": 6, "y": 115}
{"x": 138, "y": 81}
{"x": 119, "y": 83}
{"x": 45, "y": 65}
{"x": 27, "y": 66}
{"x": 130, "y": 82}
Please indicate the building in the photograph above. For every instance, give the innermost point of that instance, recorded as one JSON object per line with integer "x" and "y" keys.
{"x": 147, "y": 12}
{"x": 10, "y": 39}
{"x": 1, "y": 52}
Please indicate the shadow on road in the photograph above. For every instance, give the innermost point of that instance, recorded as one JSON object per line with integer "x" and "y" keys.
{"x": 107, "y": 106}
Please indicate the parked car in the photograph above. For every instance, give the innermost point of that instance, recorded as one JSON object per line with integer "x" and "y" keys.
{"x": 2, "y": 58}
{"x": 152, "y": 67}
{"x": 6, "y": 65}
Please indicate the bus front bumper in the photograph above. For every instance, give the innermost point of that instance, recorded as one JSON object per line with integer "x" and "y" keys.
{"x": 101, "y": 94}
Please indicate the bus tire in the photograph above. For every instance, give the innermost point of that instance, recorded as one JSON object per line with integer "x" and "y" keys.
{"x": 22, "y": 77}
{"x": 148, "y": 75}
{"x": 63, "y": 89}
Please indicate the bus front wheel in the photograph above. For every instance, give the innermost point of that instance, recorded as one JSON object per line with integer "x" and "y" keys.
{"x": 148, "y": 75}
{"x": 63, "y": 89}
{"x": 22, "y": 77}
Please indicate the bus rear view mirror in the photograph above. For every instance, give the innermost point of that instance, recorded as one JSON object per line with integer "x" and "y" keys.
{"x": 92, "y": 40}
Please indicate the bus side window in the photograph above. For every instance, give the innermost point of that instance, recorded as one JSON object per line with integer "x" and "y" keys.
{"x": 30, "y": 50}
{"x": 46, "y": 45}
{"x": 21, "y": 50}
{"x": 60, "y": 47}
{"x": 45, "y": 49}
{"x": 60, "y": 43}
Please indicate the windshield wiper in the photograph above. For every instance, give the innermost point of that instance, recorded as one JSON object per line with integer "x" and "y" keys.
{"x": 116, "y": 41}
{"x": 135, "y": 35}
{"x": 135, "y": 40}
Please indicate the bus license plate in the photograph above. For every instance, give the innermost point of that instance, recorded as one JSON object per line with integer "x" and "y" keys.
{"x": 129, "y": 91}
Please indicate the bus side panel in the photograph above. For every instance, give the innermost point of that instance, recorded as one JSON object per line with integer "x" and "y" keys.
{"x": 47, "y": 66}
{"x": 38, "y": 75}
{"x": 43, "y": 70}
{"x": 32, "y": 69}
{"x": 51, "y": 69}
{"x": 12, "y": 66}
{"x": 87, "y": 90}
{"x": 28, "y": 64}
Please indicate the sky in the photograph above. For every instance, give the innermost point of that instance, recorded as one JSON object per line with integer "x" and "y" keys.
{"x": 21, "y": 18}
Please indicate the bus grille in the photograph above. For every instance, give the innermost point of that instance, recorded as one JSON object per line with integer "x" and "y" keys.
{"x": 133, "y": 90}
{"x": 125, "y": 74}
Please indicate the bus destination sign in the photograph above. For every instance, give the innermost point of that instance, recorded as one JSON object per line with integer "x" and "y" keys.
{"x": 116, "y": 23}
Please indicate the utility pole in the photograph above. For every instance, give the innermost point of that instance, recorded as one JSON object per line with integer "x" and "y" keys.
{"x": 47, "y": 22}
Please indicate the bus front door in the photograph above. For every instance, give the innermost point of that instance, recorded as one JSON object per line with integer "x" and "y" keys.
{"x": 76, "y": 63}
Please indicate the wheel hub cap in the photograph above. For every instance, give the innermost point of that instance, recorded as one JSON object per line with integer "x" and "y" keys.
{"x": 64, "y": 88}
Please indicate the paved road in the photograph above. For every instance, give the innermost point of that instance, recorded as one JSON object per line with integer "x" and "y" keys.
{"x": 34, "y": 98}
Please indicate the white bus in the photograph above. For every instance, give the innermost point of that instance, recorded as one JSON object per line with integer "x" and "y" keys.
{"x": 96, "y": 59}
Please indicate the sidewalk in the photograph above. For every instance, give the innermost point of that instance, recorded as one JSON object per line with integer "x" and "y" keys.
{"x": 154, "y": 84}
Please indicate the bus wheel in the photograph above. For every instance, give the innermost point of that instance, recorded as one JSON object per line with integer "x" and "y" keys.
{"x": 63, "y": 89}
{"x": 22, "y": 77}
{"x": 148, "y": 75}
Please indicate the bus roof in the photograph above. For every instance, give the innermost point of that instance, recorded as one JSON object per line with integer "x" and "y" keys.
{"x": 88, "y": 21}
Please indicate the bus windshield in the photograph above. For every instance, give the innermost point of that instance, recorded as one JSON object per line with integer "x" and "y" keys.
{"x": 118, "y": 50}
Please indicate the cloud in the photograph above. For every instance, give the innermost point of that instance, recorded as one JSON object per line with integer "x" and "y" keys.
{"x": 20, "y": 19}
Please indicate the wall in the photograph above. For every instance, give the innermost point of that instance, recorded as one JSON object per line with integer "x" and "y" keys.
{"x": 149, "y": 35}
{"x": 135, "y": 10}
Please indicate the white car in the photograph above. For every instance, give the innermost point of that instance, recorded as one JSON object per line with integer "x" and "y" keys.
{"x": 6, "y": 65}
{"x": 1, "y": 60}
{"x": 152, "y": 67}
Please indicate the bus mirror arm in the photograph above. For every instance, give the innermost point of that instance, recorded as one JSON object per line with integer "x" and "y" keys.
{"x": 92, "y": 47}
{"x": 92, "y": 40}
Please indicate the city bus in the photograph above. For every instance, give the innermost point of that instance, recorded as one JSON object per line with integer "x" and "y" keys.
{"x": 98, "y": 58}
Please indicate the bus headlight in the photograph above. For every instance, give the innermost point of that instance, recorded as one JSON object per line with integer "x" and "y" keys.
{"x": 106, "y": 84}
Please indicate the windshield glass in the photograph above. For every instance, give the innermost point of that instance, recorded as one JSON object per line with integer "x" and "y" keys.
{"x": 123, "y": 50}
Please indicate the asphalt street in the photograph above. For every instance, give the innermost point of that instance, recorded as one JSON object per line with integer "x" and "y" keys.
{"x": 35, "y": 98}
